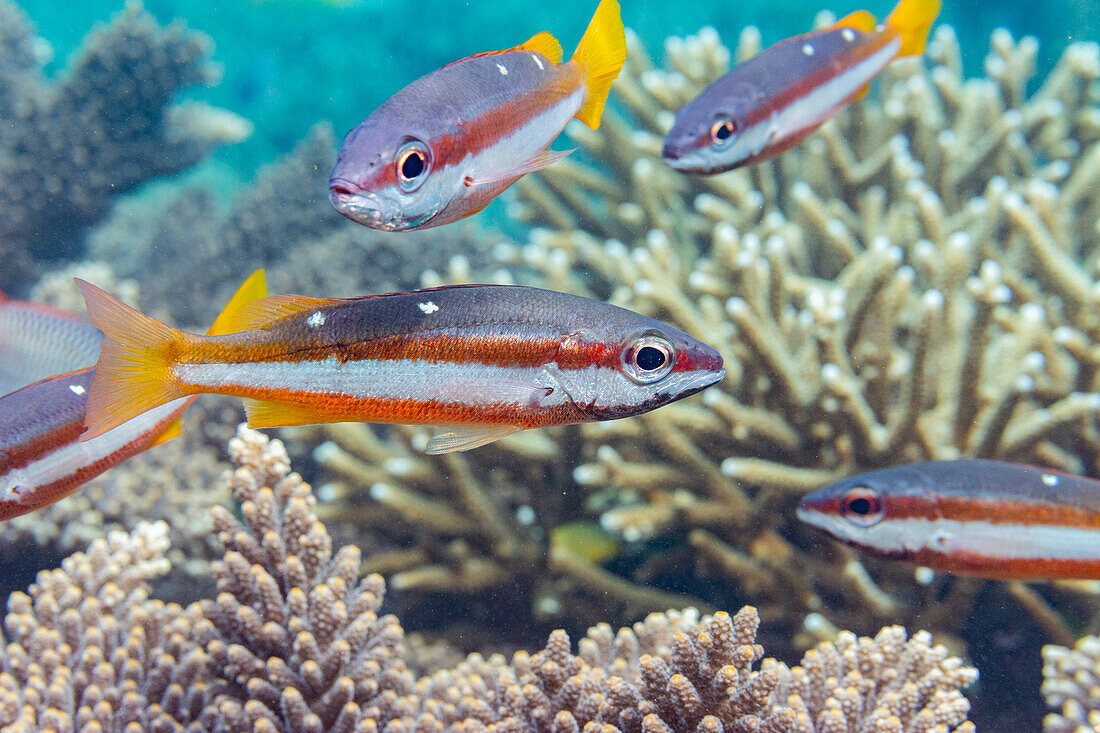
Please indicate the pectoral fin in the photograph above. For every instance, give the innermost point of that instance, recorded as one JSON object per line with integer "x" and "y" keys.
{"x": 466, "y": 437}
{"x": 542, "y": 159}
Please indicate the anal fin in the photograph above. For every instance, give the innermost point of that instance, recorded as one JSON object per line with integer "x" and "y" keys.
{"x": 271, "y": 414}
{"x": 542, "y": 159}
{"x": 173, "y": 430}
{"x": 456, "y": 438}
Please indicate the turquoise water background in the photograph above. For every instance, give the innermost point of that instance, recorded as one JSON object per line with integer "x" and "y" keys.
{"x": 288, "y": 64}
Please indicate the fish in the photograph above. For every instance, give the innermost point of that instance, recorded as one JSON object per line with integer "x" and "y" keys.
{"x": 446, "y": 145}
{"x": 771, "y": 102}
{"x": 39, "y": 340}
{"x": 42, "y": 456}
{"x": 986, "y": 518}
{"x": 586, "y": 540}
{"x": 479, "y": 361}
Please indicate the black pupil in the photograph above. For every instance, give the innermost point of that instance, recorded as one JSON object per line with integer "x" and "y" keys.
{"x": 723, "y": 131}
{"x": 413, "y": 165}
{"x": 649, "y": 358}
{"x": 860, "y": 505}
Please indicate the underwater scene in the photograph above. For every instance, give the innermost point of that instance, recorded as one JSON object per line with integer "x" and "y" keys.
{"x": 603, "y": 366}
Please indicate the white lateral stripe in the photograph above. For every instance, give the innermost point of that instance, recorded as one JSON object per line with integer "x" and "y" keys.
{"x": 474, "y": 384}
{"x": 69, "y": 459}
{"x": 1008, "y": 541}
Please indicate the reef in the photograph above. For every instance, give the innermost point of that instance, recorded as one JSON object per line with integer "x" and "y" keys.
{"x": 1071, "y": 685}
{"x": 914, "y": 281}
{"x": 72, "y": 144}
{"x": 293, "y": 642}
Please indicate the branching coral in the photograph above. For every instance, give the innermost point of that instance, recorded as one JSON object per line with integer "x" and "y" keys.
{"x": 1071, "y": 685}
{"x": 912, "y": 282}
{"x": 293, "y": 643}
{"x": 70, "y": 145}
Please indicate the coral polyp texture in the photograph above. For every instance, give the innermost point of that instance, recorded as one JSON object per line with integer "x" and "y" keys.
{"x": 1071, "y": 685}
{"x": 293, "y": 643}
{"x": 73, "y": 143}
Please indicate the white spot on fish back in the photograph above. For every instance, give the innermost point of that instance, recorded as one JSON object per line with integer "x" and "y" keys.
{"x": 1050, "y": 479}
{"x": 428, "y": 307}
{"x": 316, "y": 320}
{"x": 848, "y": 34}
{"x": 538, "y": 61}
{"x": 807, "y": 49}
{"x": 76, "y": 389}
{"x": 503, "y": 69}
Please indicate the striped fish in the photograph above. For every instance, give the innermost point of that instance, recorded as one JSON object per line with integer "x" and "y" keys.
{"x": 771, "y": 102}
{"x": 446, "y": 145}
{"x": 43, "y": 457}
{"x": 38, "y": 341}
{"x": 972, "y": 517}
{"x": 482, "y": 360}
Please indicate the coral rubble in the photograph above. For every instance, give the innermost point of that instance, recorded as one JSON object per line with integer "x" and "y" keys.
{"x": 1071, "y": 685}
{"x": 293, "y": 643}
{"x": 71, "y": 144}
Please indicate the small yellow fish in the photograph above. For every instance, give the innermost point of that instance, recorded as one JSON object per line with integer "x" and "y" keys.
{"x": 587, "y": 540}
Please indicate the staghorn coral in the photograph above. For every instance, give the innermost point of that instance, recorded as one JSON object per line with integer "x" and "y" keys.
{"x": 293, "y": 643}
{"x": 915, "y": 281}
{"x": 89, "y": 650}
{"x": 293, "y": 629}
{"x": 282, "y": 221}
{"x": 1071, "y": 685}
{"x": 107, "y": 125}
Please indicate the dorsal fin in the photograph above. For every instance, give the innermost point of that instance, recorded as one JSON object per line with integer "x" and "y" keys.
{"x": 543, "y": 43}
{"x": 261, "y": 313}
{"x": 861, "y": 20}
{"x": 229, "y": 320}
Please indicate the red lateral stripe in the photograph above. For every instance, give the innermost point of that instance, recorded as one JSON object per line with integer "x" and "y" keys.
{"x": 988, "y": 566}
{"x": 21, "y": 455}
{"x": 438, "y": 347}
{"x": 993, "y": 511}
{"x": 495, "y": 123}
{"x": 343, "y": 408}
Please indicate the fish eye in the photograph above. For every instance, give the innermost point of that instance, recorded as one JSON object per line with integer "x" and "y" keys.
{"x": 863, "y": 506}
{"x": 722, "y": 130}
{"x": 649, "y": 359}
{"x": 412, "y": 164}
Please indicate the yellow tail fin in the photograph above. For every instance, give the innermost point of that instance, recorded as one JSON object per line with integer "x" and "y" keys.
{"x": 912, "y": 19}
{"x": 600, "y": 54}
{"x": 133, "y": 372}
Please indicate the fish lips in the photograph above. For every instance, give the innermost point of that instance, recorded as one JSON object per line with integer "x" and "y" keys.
{"x": 370, "y": 209}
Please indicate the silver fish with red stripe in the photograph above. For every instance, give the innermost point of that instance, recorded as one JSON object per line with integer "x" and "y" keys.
{"x": 481, "y": 361}
{"x": 42, "y": 456}
{"x": 775, "y": 99}
{"x": 973, "y": 517}
{"x": 39, "y": 340}
{"x": 447, "y": 144}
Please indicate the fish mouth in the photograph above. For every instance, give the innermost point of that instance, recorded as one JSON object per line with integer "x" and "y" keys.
{"x": 696, "y": 384}
{"x": 370, "y": 210}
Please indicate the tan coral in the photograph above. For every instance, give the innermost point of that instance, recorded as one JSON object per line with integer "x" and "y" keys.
{"x": 1071, "y": 685}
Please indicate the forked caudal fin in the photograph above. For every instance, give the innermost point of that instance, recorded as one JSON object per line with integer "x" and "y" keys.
{"x": 600, "y": 54}
{"x": 912, "y": 19}
{"x": 133, "y": 373}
